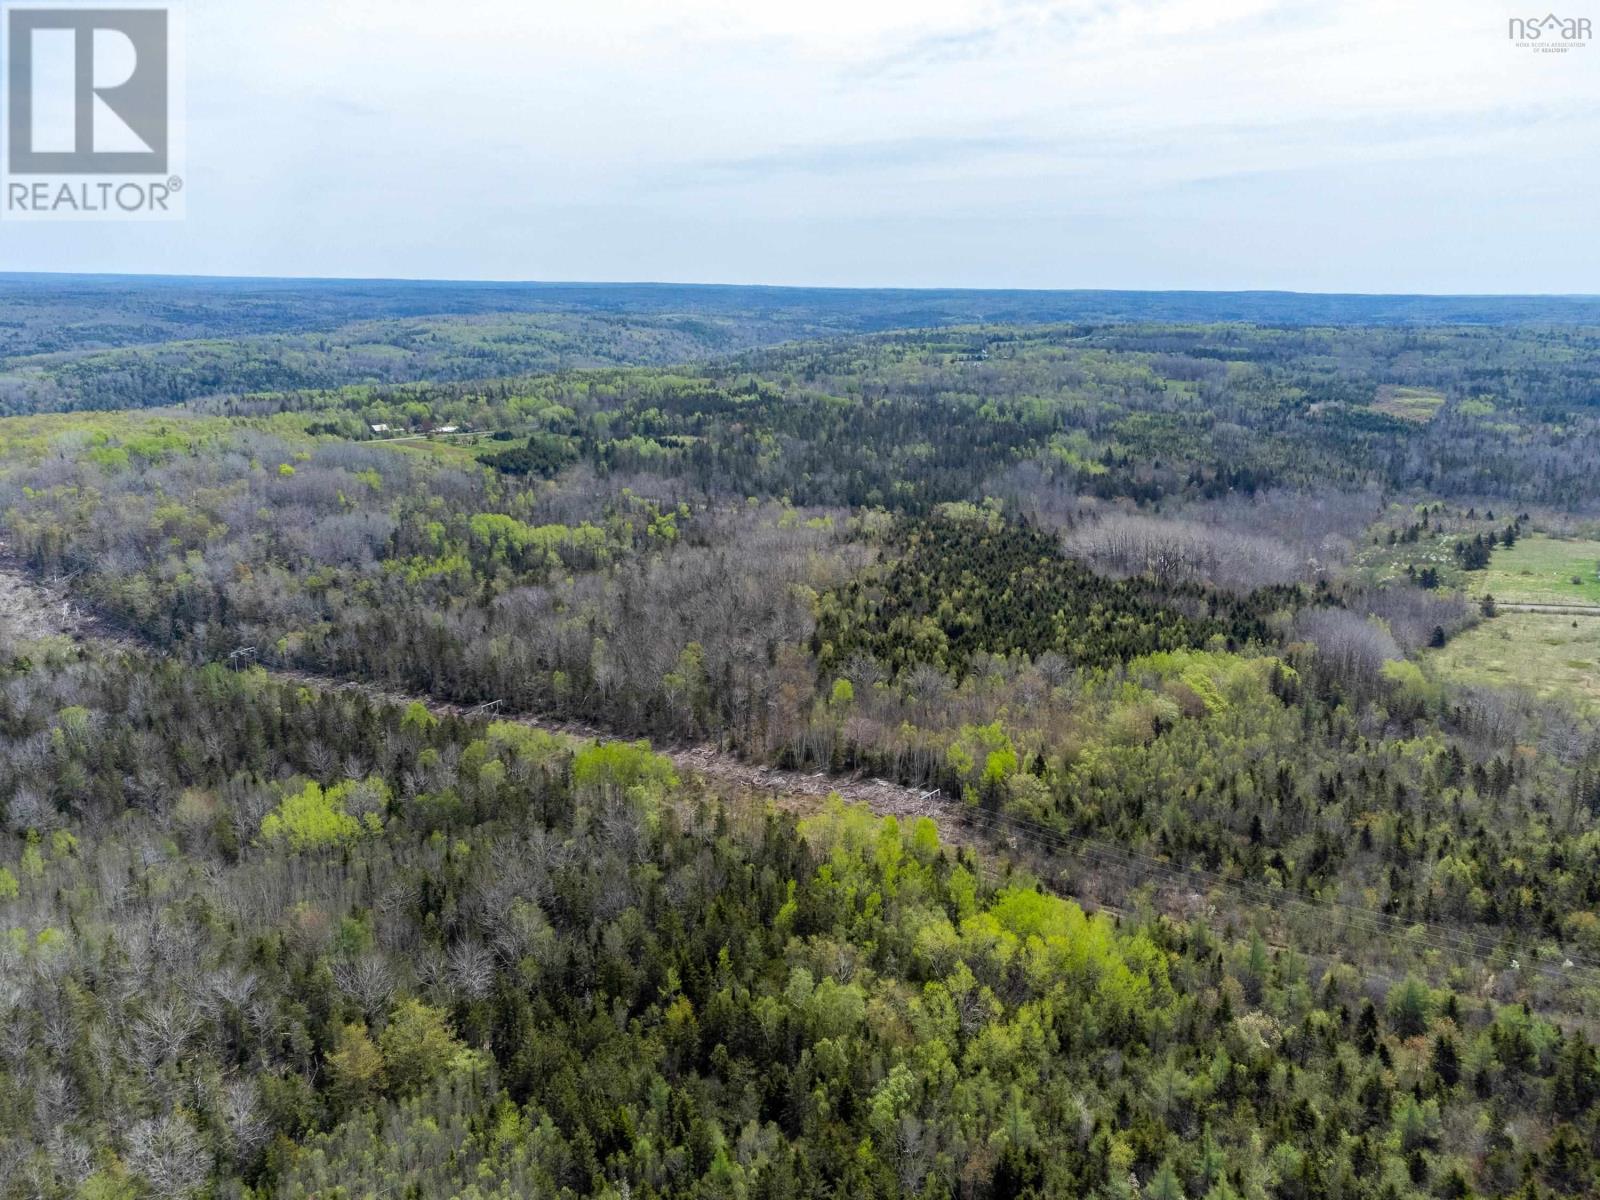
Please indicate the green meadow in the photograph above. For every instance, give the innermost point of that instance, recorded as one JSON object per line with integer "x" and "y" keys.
{"x": 1542, "y": 570}
{"x": 1409, "y": 403}
{"x": 1552, "y": 655}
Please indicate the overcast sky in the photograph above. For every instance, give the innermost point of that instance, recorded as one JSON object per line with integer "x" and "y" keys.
{"x": 1322, "y": 145}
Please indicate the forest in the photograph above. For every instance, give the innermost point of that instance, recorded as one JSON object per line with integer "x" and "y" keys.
{"x": 101, "y": 342}
{"x": 417, "y": 782}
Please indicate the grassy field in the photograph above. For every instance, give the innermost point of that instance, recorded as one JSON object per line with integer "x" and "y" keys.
{"x": 1541, "y": 570}
{"x": 1555, "y": 656}
{"x": 1408, "y": 403}
{"x": 462, "y": 452}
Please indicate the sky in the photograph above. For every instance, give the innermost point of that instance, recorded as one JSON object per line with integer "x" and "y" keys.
{"x": 1312, "y": 145}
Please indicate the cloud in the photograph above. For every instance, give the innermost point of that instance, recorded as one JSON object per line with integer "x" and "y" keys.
{"x": 961, "y": 141}
{"x": 936, "y": 51}
{"x": 832, "y": 159}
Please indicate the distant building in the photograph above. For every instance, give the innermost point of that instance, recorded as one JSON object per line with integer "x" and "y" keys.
{"x": 448, "y": 429}
{"x": 380, "y": 429}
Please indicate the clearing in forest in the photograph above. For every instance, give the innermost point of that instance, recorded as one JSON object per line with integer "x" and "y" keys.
{"x": 1557, "y": 656}
{"x": 455, "y": 453}
{"x": 1408, "y": 403}
{"x": 1542, "y": 570}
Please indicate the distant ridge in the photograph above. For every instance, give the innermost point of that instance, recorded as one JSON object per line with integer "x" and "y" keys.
{"x": 191, "y": 306}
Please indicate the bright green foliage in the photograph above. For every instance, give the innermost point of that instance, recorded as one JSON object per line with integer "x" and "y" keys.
{"x": 109, "y": 1183}
{"x": 417, "y": 1047}
{"x": 525, "y": 742}
{"x": 1215, "y": 680}
{"x": 1413, "y": 690}
{"x": 32, "y": 856}
{"x": 914, "y": 1026}
{"x": 690, "y": 995}
{"x": 544, "y": 545}
{"x": 313, "y": 818}
{"x": 418, "y": 718}
{"x": 623, "y": 767}
{"x": 355, "y": 1064}
{"x": 983, "y": 758}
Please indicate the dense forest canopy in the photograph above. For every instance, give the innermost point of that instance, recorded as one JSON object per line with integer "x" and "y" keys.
{"x": 53, "y": 312}
{"x": 70, "y": 342}
{"x": 416, "y": 743}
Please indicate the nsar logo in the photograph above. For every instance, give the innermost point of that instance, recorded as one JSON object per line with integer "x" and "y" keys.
{"x": 1549, "y": 34}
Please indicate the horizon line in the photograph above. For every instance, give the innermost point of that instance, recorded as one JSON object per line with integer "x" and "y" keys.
{"x": 440, "y": 281}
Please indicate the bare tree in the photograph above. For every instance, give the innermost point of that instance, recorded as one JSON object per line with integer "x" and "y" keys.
{"x": 242, "y": 1114}
{"x": 162, "y": 1032}
{"x": 367, "y": 980}
{"x": 1352, "y": 648}
{"x": 169, "y": 1154}
{"x": 472, "y": 968}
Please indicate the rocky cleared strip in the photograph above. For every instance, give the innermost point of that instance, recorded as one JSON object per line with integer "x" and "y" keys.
{"x": 1101, "y": 876}
{"x": 30, "y": 610}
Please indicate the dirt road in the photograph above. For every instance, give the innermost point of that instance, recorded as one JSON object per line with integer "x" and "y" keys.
{"x": 1559, "y": 610}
